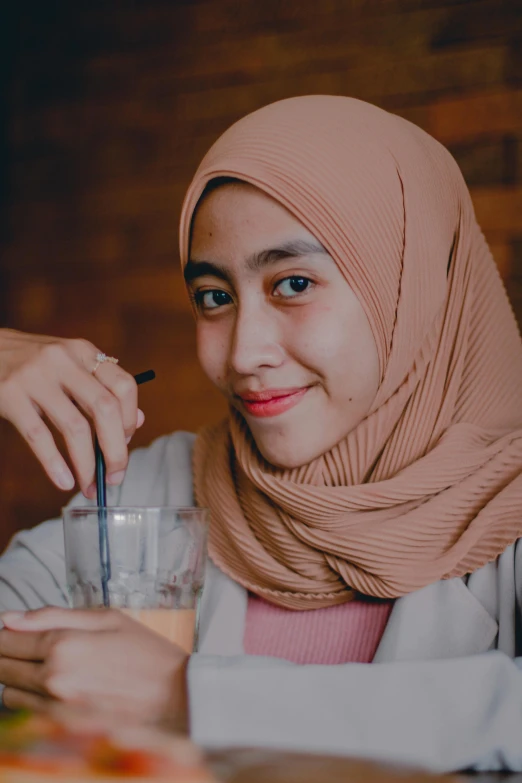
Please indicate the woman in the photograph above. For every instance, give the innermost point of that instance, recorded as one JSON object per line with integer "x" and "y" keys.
{"x": 365, "y": 491}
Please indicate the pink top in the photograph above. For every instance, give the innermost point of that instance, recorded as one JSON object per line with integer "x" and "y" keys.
{"x": 349, "y": 633}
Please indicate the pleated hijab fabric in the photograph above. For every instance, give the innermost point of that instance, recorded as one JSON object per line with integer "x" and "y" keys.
{"x": 428, "y": 486}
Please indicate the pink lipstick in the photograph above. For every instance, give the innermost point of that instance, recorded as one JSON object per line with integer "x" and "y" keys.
{"x": 272, "y": 402}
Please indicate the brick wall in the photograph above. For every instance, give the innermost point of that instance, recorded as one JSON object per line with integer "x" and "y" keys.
{"x": 110, "y": 106}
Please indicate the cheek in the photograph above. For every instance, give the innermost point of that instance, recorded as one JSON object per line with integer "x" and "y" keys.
{"x": 315, "y": 336}
{"x": 337, "y": 343}
{"x": 212, "y": 349}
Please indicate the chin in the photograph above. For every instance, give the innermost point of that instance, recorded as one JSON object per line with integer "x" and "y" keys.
{"x": 287, "y": 453}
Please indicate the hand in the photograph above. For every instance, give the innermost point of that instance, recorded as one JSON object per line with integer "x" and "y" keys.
{"x": 51, "y": 377}
{"x": 96, "y": 659}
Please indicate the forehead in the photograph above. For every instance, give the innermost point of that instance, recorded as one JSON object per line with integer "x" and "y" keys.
{"x": 244, "y": 229}
{"x": 240, "y": 213}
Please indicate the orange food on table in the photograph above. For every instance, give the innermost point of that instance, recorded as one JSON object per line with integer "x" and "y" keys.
{"x": 35, "y": 749}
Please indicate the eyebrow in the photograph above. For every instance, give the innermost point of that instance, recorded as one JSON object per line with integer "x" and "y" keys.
{"x": 296, "y": 248}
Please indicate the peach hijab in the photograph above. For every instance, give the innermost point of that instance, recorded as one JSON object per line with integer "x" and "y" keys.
{"x": 429, "y": 485}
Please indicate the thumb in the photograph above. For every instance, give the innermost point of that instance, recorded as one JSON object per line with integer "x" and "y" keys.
{"x": 53, "y": 618}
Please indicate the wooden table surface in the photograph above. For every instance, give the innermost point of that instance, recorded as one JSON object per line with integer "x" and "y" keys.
{"x": 267, "y": 766}
{"x": 258, "y": 765}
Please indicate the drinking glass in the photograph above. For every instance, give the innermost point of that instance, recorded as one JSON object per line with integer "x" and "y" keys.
{"x": 155, "y": 564}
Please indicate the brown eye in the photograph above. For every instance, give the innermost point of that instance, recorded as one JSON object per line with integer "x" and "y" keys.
{"x": 291, "y": 286}
{"x": 210, "y": 300}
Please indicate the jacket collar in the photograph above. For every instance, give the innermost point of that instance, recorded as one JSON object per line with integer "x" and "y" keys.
{"x": 442, "y": 620}
{"x": 222, "y": 614}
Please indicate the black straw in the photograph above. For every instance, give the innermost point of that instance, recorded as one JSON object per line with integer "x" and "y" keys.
{"x": 103, "y": 533}
{"x": 101, "y": 500}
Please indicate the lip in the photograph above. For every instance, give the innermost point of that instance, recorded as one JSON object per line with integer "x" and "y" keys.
{"x": 272, "y": 402}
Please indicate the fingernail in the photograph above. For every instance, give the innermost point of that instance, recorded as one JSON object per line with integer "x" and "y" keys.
{"x": 12, "y": 617}
{"x": 64, "y": 478}
{"x": 128, "y": 440}
{"x": 116, "y": 478}
{"x": 90, "y": 491}
{"x": 141, "y": 418}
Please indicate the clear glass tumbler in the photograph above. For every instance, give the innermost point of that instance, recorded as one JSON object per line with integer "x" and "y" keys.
{"x": 154, "y": 564}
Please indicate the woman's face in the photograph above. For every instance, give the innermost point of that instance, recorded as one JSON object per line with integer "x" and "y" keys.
{"x": 279, "y": 330}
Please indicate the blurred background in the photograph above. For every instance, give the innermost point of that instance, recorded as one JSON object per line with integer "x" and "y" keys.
{"x": 107, "y": 108}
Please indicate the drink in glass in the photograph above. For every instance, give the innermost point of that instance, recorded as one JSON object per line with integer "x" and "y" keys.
{"x": 154, "y": 567}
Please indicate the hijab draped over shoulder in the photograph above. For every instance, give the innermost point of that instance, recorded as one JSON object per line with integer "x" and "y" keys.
{"x": 428, "y": 486}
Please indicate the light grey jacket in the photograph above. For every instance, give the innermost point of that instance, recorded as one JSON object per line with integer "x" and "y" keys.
{"x": 444, "y": 690}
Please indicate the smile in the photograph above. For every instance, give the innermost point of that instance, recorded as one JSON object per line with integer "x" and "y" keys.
{"x": 273, "y": 403}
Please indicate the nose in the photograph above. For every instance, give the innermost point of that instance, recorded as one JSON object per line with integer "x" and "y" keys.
{"x": 256, "y": 340}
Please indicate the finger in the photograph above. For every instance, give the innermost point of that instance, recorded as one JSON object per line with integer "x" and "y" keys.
{"x": 54, "y": 618}
{"x": 18, "y": 699}
{"x": 26, "y": 675}
{"x": 75, "y": 429}
{"x": 139, "y": 423}
{"x": 22, "y": 413}
{"x": 28, "y": 646}
{"x": 123, "y": 386}
{"x": 119, "y": 382}
{"x": 73, "y": 361}
{"x": 105, "y": 409}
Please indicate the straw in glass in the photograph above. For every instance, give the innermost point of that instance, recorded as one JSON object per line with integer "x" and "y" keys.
{"x": 101, "y": 500}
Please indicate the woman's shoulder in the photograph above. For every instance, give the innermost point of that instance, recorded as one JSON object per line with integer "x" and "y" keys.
{"x": 174, "y": 448}
{"x": 161, "y": 473}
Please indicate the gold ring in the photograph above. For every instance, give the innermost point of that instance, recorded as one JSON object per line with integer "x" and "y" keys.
{"x": 102, "y": 357}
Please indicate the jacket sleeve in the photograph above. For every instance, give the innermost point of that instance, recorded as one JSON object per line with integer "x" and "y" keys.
{"x": 32, "y": 569}
{"x": 444, "y": 715}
